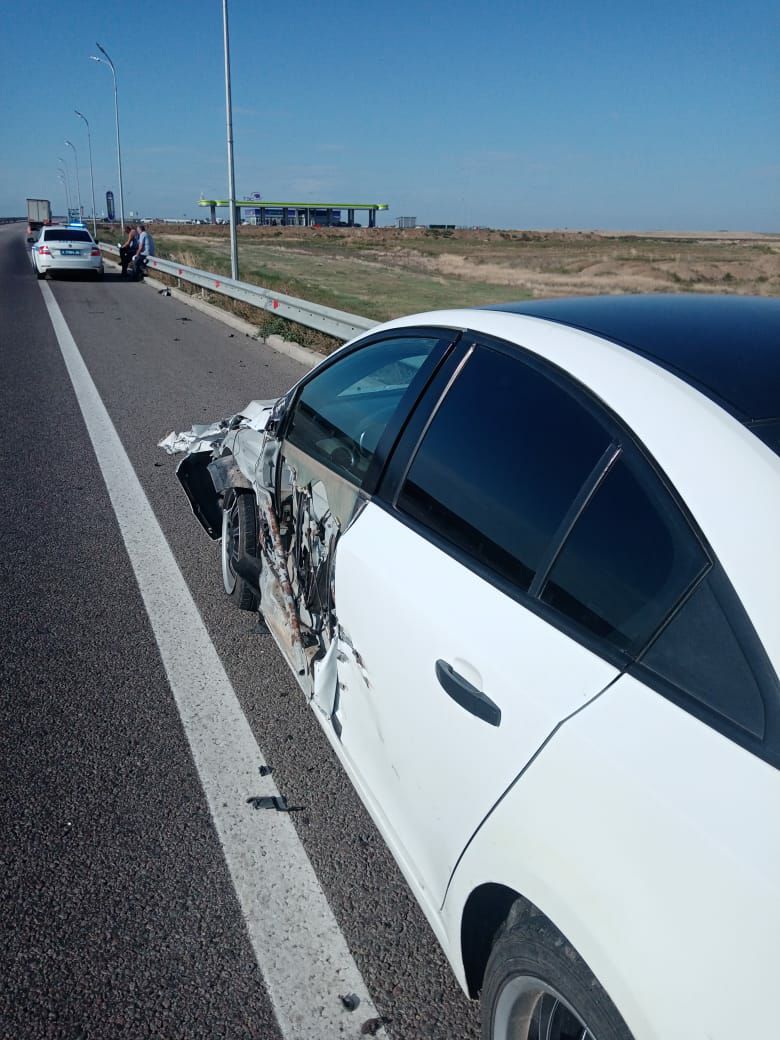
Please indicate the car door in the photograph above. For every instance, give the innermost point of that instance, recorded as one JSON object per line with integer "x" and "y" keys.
{"x": 340, "y": 424}
{"x": 451, "y": 676}
{"x": 460, "y": 655}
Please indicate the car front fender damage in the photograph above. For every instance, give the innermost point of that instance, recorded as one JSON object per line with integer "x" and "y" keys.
{"x": 299, "y": 523}
{"x": 211, "y": 463}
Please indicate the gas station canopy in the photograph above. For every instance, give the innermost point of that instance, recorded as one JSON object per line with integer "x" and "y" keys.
{"x": 298, "y": 212}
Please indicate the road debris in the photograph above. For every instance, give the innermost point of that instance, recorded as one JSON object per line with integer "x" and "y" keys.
{"x": 372, "y": 1025}
{"x": 276, "y": 801}
{"x": 350, "y": 1001}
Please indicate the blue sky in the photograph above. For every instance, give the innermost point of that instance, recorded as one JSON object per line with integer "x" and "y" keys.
{"x": 512, "y": 114}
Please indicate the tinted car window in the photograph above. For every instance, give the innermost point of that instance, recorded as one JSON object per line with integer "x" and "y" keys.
{"x": 67, "y": 235}
{"x": 503, "y": 458}
{"x": 629, "y": 559}
{"x": 343, "y": 411}
{"x": 700, "y": 654}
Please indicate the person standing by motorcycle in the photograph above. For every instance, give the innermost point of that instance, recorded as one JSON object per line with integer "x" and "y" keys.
{"x": 144, "y": 250}
{"x": 128, "y": 248}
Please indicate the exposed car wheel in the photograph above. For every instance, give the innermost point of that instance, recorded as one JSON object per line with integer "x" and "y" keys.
{"x": 239, "y": 538}
{"x": 537, "y": 987}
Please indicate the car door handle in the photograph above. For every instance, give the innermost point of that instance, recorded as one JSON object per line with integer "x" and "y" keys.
{"x": 466, "y": 695}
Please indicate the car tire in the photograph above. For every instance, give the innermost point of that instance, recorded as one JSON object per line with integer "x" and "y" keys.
{"x": 40, "y": 275}
{"x": 537, "y": 986}
{"x": 239, "y": 538}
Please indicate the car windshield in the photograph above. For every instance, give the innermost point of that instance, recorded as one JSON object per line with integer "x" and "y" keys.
{"x": 67, "y": 235}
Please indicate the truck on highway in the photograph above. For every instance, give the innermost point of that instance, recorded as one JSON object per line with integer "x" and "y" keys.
{"x": 38, "y": 214}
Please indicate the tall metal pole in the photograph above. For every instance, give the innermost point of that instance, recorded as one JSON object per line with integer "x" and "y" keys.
{"x": 110, "y": 64}
{"x": 65, "y": 186}
{"x": 91, "y": 175}
{"x": 67, "y": 182}
{"x": 78, "y": 181}
{"x": 231, "y": 170}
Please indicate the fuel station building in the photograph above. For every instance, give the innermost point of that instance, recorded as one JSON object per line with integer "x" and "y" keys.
{"x": 307, "y": 214}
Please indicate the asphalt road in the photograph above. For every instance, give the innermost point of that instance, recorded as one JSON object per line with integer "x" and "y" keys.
{"x": 118, "y": 916}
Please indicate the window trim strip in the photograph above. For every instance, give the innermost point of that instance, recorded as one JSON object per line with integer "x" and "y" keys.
{"x": 589, "y": 488}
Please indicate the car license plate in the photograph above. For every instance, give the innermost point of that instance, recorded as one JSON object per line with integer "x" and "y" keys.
{"x": 70, "y": 252}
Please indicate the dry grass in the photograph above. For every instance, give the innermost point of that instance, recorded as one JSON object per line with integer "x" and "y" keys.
{"x": 265, "y": 323}
{"x": 384, "y": 272}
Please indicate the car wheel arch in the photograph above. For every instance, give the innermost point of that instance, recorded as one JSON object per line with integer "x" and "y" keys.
{"x": 490, "y": 910}
{"x": 486, "y": 909}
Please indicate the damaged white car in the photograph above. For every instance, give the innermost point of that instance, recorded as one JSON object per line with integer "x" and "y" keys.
{"x": 523, "y": 562}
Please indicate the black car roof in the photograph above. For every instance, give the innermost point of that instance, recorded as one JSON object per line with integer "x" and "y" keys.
{"x": 728, "y": 347}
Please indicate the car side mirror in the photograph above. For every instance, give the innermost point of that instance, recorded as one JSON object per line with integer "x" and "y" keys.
{"x": 30, "y": 238}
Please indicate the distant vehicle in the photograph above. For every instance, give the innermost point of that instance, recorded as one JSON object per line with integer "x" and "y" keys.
{"x": 523, "y": 562}
{"x": 65, "y": 247}
{"x": 38, "y": 214}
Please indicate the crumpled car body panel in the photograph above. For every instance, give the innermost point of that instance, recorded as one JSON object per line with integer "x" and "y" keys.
{"x": 302, "y": 509}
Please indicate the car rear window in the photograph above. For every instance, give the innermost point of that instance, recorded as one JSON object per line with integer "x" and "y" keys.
{"x": 504, "y": 457}
{"x": 630, "y": 557}
{"x": 700, "y": 653}
{"x": 67, "y": 235}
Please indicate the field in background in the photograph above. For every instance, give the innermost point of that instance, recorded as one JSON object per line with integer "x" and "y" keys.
{"x": 384, "y": 272}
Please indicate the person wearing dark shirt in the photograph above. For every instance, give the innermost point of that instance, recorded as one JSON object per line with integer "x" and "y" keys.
{"x": 128, "y": 248}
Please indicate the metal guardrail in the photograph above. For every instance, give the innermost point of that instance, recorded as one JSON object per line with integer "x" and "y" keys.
{"x": 339, "y": 324}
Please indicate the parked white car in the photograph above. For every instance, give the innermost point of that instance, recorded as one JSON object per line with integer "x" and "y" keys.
{"x": 523, "y": 562}
{"x": 65, "y": 247}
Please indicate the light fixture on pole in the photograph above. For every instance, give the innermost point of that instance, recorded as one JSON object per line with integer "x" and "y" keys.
{"x": 67, "y": 182}
{"x": 107, "y": 61}
{"x": 231, "y": 171}
{"x": 91, "y": 175}
{"x": 78, "y": 182}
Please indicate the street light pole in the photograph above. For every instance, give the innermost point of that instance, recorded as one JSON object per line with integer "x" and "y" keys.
{"x": 109, "y": 62}
{"x": 78, "y": 182}
{"x": 231, "y": 170}
{"x": 67, "y": 182}
{"x": 91, "y": 175}
{"x": 65, "y": 186}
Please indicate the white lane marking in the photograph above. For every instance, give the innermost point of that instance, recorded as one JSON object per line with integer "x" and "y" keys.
{"x": 299, "y": 948}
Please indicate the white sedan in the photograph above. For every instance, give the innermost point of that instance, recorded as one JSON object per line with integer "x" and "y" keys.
{"x": 524, "y": 564}
{"x": 66, "y": 247}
